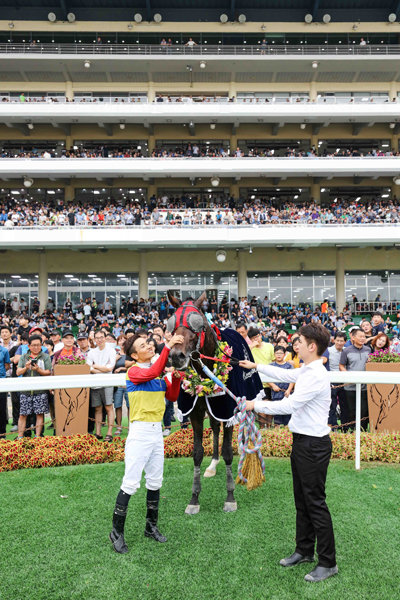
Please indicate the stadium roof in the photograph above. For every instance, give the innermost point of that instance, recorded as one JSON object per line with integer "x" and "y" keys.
{"x": 201, "y": 10}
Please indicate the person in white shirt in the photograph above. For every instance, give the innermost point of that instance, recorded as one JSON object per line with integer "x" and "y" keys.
{"x": 102, "y": 359}
{"x": 312, "y": 447}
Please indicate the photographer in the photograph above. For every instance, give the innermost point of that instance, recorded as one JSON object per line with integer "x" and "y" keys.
{"x": 34, "y": 363}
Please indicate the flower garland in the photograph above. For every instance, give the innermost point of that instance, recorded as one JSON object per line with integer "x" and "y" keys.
{"x": 200, "y": 386}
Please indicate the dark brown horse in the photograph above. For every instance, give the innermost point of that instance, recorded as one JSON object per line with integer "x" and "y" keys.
{"x": 198, "y": 335}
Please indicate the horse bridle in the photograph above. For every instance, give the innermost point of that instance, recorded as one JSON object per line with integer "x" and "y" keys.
{"x": 188, "y": 315}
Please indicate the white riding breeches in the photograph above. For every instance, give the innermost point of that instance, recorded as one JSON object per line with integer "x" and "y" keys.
{"x": 144, "y": 450}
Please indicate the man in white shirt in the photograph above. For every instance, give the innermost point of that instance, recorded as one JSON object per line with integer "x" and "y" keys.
{"x": 312, "y": 447}
{"x": 102, "y": 359}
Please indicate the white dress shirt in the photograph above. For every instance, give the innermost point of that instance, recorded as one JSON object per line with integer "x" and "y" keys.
{"x": 309, "y": 404}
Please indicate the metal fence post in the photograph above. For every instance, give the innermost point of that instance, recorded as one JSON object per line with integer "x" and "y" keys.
{"x": 358, "y": 424}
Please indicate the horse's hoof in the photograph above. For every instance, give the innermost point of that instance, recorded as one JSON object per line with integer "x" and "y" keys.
{"x": 210, "y": 472}
{"x": 230, "y": 506}
{"x": 192, "y": 509}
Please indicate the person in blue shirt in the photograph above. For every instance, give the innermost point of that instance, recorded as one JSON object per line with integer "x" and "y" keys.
{"x": 283, "y": 390}
{"x": 4, "y": 366}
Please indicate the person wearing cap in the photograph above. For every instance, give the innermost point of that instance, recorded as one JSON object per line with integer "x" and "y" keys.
{"x": 69, "y": 348}
{"x": 83, "y": 343}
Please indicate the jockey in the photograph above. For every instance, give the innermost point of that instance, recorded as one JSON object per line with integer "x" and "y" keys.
{"x": 144, "y": 448}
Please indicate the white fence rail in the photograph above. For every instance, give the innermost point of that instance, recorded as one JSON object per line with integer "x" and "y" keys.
{"x": 24, "y": 384}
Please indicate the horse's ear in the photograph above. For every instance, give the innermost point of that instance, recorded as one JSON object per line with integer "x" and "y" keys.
{"x": 173, "y": 300}
{"x": 200, "y": 300}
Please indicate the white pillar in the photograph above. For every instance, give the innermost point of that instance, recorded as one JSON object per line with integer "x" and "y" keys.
{"x": 43, "y": 281}
{"x": 69, "y": 92}
{"x": 340, "y": 285}
{"x": 242, "y": 275}
{"x": 143, "y": 277}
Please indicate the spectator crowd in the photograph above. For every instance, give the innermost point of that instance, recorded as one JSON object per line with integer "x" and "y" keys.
{"x": 32, "y": 344}
{"x": 187, "y": 211}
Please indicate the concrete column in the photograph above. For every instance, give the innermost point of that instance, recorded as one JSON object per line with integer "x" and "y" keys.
{"x": 69, "y": 193}
{"x": 151, "y": 94}
{"x": 392, "y": 90}
{"x": 151, "y": 143}
{"x": 43, "y": 281}
{"x": 233, "y": 142}
{"x": 69, "y": 92}
{"x": 340, "y": 284}
{"x": 234, "y": 190}
{"x": 232, "y": 90}
{"x": 242, "y": 274}
{"x": 315, "y": 193}
{"x": 68, "y": 142}
{"x": 313, "y": 91}
{"x": 151, "y": 189}
{"x": 314, "y": 141}
{"x": 143, "y": 276}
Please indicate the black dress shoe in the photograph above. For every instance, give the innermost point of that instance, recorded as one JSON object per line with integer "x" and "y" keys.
{"x": 321, "y": 573}
{"x": 295, "y": 559}
{"x": 118, "y": 542}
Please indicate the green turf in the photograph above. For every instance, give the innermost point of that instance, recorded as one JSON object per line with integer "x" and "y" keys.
{"x": 57, "y": 548}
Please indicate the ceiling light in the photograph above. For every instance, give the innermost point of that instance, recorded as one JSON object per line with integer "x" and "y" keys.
{"x": 396, "y": 180}
{"x": 52, "y": 17}
{"x": 250, "y": 250}
{"x": 215, "y": 181}
{"x": 28, "y": 182}
{"x": 314, "y": 64}
{"x": 223, "y": 18}
{"x": 308, "y": 18}
{"x": 30, "y": 126}
{"x": 138, "y": 18}
{"x": 157, "y": 18}
{"x": 86, "y": 64}
{"x": 71, "y": 17}
{"x": 220, "y": 255}
{"x": 302, "y": 125}
{"x": 203, "y": 64}
{"x": 326, "y": 18}
{"x": 242, "y": 18}
{"x": 392, "y": 125}
{"x": 11, "y": 25}
{"x": 212, "y": 125}
{"x": 392, "y": 18}
{"x": 122, "y": 125}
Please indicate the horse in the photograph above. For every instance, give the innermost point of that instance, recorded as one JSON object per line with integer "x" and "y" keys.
{"x": 190, "y": 322}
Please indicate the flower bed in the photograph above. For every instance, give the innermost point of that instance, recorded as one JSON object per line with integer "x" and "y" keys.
{"x": 55, "y": 451}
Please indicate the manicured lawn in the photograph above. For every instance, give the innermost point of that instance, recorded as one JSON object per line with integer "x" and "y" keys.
{"x": 57, "y": 548}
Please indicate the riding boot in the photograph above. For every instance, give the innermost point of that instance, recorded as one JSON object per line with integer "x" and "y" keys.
{"x": 151, "y": 530}
{"x": 117, "y": 533}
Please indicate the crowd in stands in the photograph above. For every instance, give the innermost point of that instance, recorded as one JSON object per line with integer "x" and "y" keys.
{"x": 192, "y": 150}
{"x": 32, "y": 344}
{"x": 193, "y": 212}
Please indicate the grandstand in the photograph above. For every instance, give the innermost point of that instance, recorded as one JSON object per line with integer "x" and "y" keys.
{"x": 310, "y": 75}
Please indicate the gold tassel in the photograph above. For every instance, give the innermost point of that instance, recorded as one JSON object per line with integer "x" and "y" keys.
{"x": 252, "y": 471}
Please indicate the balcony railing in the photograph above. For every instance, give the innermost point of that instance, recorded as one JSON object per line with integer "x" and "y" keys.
{"x": 201, "y": 50}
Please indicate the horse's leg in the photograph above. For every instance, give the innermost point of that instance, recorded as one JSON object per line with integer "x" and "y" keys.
{"x": 227, "y": 454}
{"x": 211, "y": 470}
{"x": 197, "y": 419}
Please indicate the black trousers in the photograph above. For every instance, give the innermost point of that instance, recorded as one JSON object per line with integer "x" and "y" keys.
{"x": 351, "y": 404}
{"x": 310, "y": 459}
{"x": 338, "y": 396}
{"x": 3, "y": 413}
{"x": 15, "y": 407}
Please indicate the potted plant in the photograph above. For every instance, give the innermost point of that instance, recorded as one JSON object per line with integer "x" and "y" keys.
{"x": 384, "y": 398}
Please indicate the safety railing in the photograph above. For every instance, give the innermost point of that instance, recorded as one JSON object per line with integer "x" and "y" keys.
{"x": 201, "y": 49}
{"x": 24, "y": 384}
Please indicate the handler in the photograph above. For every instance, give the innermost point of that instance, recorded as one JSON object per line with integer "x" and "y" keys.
{"x": 144, "y": 448}
{"x": 312, "y": 447}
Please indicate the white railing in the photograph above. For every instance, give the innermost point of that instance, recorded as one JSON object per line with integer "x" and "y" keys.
{"x": 30, "y": 384}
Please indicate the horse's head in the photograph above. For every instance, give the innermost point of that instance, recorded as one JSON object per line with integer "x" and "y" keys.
{"x": 189, "y": 321}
